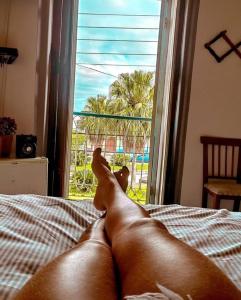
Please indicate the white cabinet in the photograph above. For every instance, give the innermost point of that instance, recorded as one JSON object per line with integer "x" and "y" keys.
{"x": 24, "y": 176}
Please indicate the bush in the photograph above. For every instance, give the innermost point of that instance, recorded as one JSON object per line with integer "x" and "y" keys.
{"x": 78, "y": 159}
{"x": 83, "y": 180}
{"x": 120, "y": 159}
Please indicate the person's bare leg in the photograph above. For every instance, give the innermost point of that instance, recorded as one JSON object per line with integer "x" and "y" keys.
{"x": 84, "y": 272}
{"x": 147, "y": 254}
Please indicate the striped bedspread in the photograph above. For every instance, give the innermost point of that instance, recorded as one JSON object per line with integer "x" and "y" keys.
{"x": 35, "y": 229}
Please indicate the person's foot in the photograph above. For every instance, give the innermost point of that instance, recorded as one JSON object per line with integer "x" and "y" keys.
{"x": 100, "y": 166}
{"x": 105, "y": 178}
{"x": 122, "y": 177}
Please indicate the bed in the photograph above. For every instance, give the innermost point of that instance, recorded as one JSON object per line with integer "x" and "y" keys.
{"x": 35, "y": 229}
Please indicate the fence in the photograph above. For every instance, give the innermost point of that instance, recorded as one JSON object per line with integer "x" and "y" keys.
{"x": 124, "y": 141}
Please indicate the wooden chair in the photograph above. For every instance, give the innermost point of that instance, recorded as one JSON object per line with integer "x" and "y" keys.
{"x": 221, "y": 170}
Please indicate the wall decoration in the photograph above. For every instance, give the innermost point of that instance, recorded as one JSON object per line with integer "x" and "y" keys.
{"x": 233, "y": 47}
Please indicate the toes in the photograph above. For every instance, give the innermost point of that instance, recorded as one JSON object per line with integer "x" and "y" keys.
{"x": 97, "y": 152}
{"x": 97, "y": 155}
{"x": 125, "y": 171}
{"x": 118, "y": 173}
{"x": 122, "y": 178}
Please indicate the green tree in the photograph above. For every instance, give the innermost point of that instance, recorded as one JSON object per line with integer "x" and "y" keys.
{"x": 133, "y": 93}
{"x": 130, "y": 95}
{"x": 120, "y": 159}
{"x": 96, "y": 128}
{"x": 133, "y": 96}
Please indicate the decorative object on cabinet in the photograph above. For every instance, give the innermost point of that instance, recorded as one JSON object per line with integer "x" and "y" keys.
{"x": 26, "y": 146}
{"x": 7, "y": 55}
{"x": 233, "y": 47}
{"x": 8, "y": 128}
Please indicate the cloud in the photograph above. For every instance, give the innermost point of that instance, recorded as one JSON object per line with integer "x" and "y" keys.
{"x": 91, "y": 82}
{"x": 120, "y": 3}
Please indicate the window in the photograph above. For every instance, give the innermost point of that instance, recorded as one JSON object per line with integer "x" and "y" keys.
{"x": 116, "y": 56}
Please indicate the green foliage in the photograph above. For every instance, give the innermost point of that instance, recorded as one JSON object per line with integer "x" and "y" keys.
{"x": 79, "y": 159}
{"x": 138, "y": 166}
{"x": 133, "y": 92}
{"x": 120, "y": 159}
{"x": 130, "y": 95}
{"x": 96, "y": 128}
{"x": 138, "y": 196}
{"x": 82, "y": 181}
{"x": 78, "y": 139}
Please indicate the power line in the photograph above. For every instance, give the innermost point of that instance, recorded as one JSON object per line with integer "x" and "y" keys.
{"x": 115, "y": 53}
{"x": 117, "y": 65}
{"x": 98, "y": 71}
{"x": 123, "y": 15}
{"x": 109, "y": 40}
{"x": 79, "y": 65}
{"x": 118, "y": 27}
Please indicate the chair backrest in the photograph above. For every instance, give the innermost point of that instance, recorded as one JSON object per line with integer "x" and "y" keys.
{"x": 221, "y": 158}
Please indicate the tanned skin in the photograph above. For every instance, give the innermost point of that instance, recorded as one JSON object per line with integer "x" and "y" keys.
{"x": 126, "y": 253}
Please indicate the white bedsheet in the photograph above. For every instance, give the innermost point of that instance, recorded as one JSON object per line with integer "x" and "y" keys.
{"x": 35, "y": 229}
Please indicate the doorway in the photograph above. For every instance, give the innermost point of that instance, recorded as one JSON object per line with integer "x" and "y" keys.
{"x": 115, "y": 68}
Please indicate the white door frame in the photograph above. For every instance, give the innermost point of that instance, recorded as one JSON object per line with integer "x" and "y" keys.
{"x": 162, "y": 102}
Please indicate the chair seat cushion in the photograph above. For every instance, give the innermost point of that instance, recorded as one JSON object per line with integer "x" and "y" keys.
{"x": 224, "y": 187}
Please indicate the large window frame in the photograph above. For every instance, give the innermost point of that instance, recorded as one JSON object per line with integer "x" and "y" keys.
{"x": 174, "y": 15}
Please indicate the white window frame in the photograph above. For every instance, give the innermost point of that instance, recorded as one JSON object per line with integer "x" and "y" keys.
{"x": 162, "y": 102}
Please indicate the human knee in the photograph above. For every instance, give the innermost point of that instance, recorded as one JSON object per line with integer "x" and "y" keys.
{"x": 139, "y": 234}
{"x": 138, "y": 228}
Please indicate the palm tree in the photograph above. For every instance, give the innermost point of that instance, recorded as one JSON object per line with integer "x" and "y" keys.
{"x": 134, "y": 92}
{"x": 97, "y": 128}
{"x": 133, "y": 96}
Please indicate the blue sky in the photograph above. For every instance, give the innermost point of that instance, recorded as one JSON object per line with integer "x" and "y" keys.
{"x": 92, "y": 83}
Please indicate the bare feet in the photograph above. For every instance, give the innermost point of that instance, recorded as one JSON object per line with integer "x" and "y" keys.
{"x": 105, "y": 177}
{"x": 122, "y": 177}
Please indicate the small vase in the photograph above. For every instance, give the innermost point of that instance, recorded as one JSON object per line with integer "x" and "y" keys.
{"x": 5, "y": 145}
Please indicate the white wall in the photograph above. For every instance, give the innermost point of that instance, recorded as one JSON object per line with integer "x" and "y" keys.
{"x": 215, "y": 104}
{"x": 18, "y": 99}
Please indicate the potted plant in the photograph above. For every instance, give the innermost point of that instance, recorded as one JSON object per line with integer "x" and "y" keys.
{"x": 8, "y": 128}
